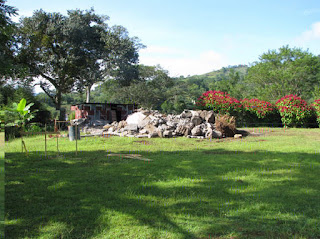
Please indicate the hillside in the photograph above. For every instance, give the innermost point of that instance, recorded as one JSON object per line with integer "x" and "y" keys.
{"x": 220, "y": 74}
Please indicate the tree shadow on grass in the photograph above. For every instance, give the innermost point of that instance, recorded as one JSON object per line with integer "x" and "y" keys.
{"x": 187, "y": 194}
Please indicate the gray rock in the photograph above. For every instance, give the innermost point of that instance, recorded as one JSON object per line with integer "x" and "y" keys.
{"x": 172, "y": 123}
{"x": 160, "y": 133}
{"x": 163, "y": 127}
{"x": 167, "y": 134}
{"x": 150, "y": 128}
{"x": 210, "y": 117}
{"x": 144, "y": 122}
{"x": 143, "y": 131}
{"x": 194, "y": 113}
{"x": 196, "y": 120}
{"x": 183, "y": 130}
{"x": 111, "y": 129}
{"x": 153, "y": 135}
{"x": 186, "y": 114}
{"x": 131, "y": 127}
{"x": 197, "y": 131}
{"x": 216, "y": 134}
{"x": 122, "y": 124}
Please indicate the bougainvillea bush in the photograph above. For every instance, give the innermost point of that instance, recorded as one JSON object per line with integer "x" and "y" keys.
{"x": 316, "y": 106}
{"x": 218, "y": 101}
{"x": 294, "y": 111}
{"x": 258, "y": 107}
{"x": 257, "y": 112}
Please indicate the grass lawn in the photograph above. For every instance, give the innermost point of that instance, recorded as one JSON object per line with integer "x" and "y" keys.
{"x": 256, "y": 187}
{"x": 1, "y": 185}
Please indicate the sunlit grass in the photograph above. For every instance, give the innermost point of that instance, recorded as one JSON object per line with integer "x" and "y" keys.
{"x": 255, "y": 187}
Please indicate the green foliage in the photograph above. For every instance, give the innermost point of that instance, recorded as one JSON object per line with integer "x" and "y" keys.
{"x": 34, "y": 128}
{"x": 284, "y": 72}
{"x": 316, "y": 105}
{"x": 7, "y": 41}
{"x": 294, "y": 111}
{"x": 74, "y": 51}
{"x": 21, "y": 113}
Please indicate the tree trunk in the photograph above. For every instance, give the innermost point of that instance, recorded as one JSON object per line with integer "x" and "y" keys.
{"x": 88, "y": 92}
{"x": 58, "y": 99}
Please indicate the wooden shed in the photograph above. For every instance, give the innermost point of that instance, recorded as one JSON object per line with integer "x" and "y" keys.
{"x": 103, "y": 111}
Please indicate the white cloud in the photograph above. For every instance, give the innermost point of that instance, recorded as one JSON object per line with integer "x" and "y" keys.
{"x": 309, "y": 12}
{"x": 310, "y": 35}
{"x": 188, "y": 65}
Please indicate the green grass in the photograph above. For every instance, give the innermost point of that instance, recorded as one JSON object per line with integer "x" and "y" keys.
{"x": 1, "y": 185}
{"x": 255, "y": 187}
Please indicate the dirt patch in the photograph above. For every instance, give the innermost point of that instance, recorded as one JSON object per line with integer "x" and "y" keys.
{"x": 143, "y": 142}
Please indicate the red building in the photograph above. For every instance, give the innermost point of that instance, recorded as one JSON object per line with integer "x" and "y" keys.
{"x": 103, "y": 111}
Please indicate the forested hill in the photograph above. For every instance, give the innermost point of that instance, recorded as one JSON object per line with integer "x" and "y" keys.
{"x": 221, "y": 74}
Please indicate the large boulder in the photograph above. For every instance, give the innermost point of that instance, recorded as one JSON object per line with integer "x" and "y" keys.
{"x": 136, "y": 118}
{"x": 210, "y": 117}
{"x": 197, "y": 131}
{"x": 216, "y": 134}
{"x": 207, "y": 115}
{"x": 196, "y": 120}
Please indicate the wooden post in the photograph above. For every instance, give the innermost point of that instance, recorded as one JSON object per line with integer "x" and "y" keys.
{"x": 57, "y": 143}
{"x": 45, "y": 140}
{"x": 76, "y": 133}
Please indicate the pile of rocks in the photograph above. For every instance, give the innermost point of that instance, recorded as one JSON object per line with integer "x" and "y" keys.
{"x": 146, "y": 123}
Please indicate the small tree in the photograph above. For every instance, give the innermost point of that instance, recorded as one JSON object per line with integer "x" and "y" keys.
{"x": 21, "y": 115}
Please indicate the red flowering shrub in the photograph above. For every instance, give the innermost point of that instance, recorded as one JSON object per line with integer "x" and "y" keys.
{"x": 258, "y": 107}
{"x": 316, "y": 106}
{"x": 218, "y": 101}
{"x": 294, "y": 111}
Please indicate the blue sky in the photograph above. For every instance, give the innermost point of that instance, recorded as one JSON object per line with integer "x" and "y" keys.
{"x": 195, "y": 37}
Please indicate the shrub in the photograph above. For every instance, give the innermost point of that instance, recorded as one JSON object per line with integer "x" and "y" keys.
{"x": 316, "y": 106}
{"x": 226, "y": 124}
{"x": 258, "y": 107}
{"x": 220, "y": 102}
{"x": 294, "y": 111}
{"x": 33, "y": 128}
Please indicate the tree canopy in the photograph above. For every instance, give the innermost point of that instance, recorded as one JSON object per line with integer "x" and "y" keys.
{"x": 71, "y": 51}
{"x": 7, "y": 29}
{"x": 287, "y": 71}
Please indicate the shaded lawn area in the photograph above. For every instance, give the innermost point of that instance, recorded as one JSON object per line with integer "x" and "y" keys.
{"x": 1, "y": 184}
{"x": 256, "y": 187}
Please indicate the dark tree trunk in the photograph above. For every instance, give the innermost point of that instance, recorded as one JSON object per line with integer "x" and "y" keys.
{"x": 88, "y": 93}
{"x": 58, "y": 100}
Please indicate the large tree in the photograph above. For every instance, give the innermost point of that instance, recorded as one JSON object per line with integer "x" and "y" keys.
{"x": 71, "y": 51}
{"x": 7, "y": 41}
{"x": 282, "y": 72}
{"x": 45, "y": 47}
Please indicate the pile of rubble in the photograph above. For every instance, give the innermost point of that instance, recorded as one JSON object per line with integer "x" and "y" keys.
{"x": 146, "y": 123}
